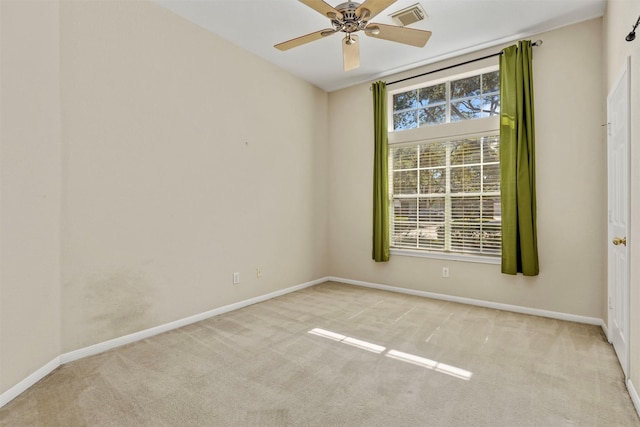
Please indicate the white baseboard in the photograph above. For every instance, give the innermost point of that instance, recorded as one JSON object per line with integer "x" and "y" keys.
{"x": 605, "y": 330}
{"x": 634, "y": 396}
{"x": 479, "y": 303}
{"x": 42, "y": 372}
{"x": 23, "y": 385}
{"x": 140, "y": 335}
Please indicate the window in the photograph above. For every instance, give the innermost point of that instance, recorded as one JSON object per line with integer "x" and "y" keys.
{"x": 450, "y": 101}
{"x": 445, "y": 168}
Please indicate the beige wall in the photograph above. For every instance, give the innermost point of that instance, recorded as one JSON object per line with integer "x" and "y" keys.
{"x": 571, "y": 166}
{"x": 185, "y": 159}
{"x": 620, "y": 16}
{"x": 30, "y": 148}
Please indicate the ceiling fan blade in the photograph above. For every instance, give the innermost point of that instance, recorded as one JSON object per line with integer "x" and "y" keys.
{"x": 410, "y": 36}
{"x": 350, "y": 52}
{"x": 323, "y": 8}
{"x": 374, "y": 7}
{"x": 289, "y": 44}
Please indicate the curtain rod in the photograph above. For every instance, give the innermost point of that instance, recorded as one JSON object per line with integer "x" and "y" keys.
{"x": 536, "y": 43}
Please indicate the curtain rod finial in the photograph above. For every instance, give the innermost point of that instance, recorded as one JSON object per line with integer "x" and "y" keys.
{"x": 537, "y": 43}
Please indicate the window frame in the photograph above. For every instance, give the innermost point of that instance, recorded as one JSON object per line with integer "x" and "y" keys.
{"x": 485, "y": 126}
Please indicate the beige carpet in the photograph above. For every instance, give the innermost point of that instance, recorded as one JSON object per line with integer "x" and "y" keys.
{"x": 339, "y": 355}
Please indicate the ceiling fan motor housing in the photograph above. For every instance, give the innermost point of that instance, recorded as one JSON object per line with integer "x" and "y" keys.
{"x": 350, "y": 21}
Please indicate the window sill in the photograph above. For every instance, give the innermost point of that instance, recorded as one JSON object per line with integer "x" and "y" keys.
{"x": 448, "y": 256}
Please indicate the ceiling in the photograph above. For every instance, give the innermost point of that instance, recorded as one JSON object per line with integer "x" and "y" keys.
{"x": 458, "y": 26}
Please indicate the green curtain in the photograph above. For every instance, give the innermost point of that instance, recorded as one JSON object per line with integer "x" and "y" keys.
{"x": 517, "y": 162}
{"x": 380, "y": 174}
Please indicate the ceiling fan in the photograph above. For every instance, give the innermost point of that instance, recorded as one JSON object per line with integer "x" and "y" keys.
{"x": 352, "y": 17}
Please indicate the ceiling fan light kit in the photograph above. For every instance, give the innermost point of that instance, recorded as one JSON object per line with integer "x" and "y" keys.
{"x": 352, "y": 17}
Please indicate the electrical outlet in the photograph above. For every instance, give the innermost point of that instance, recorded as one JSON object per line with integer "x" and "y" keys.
{"x": 258, "y": 272}
{"x": 236, "y": 278}
{"x": 445, "y": 271}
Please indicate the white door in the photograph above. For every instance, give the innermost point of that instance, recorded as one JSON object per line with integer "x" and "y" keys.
{"x": 618, "y": 201}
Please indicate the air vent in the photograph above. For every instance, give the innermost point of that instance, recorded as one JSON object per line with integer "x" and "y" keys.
{"x": 409, "y": 15}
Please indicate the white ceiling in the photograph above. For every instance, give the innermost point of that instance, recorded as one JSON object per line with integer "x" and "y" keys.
{"x": 458, "y": 26}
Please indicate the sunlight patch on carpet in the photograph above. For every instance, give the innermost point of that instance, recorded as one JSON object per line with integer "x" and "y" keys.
{"x": 413, "y": 359}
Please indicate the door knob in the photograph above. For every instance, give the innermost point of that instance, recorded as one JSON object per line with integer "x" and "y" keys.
{"x": 620, "y": 241}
